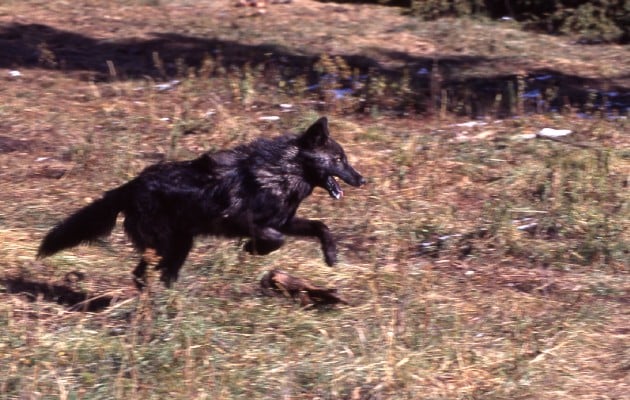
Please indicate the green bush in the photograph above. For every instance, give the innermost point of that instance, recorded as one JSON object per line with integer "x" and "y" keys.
{"x": 593, "y": 21}
{"x": 596, "y": 21}
{"x": 432, "y": 9}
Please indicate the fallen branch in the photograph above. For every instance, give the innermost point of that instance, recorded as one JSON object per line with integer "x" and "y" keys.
{"x": 279, "y": 283}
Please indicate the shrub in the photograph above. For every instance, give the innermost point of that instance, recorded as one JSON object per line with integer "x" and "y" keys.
{"x": 593, "y": 21}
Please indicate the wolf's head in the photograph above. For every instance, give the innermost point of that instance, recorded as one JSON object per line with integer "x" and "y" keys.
{"x": 324, "y": 159}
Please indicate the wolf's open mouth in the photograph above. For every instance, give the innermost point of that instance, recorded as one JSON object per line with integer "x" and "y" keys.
{"x": 334, "y": 190}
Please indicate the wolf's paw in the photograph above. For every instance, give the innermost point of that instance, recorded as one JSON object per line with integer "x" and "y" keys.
{"x": 139, "y": 282}
{"x": 168, "y": 278}
{"x": 330, "y": 256}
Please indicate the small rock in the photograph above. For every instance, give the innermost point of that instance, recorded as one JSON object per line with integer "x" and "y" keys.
{"x": 549, "y": 132}
{"x": 471, "y": 124}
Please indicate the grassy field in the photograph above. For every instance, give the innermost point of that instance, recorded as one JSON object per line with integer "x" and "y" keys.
{"x": 481, "y": 261}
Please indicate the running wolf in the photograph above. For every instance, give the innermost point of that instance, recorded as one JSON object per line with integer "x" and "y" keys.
{"x": 252, "y": 191}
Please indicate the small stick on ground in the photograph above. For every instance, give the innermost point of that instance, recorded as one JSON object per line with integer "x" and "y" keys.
{"x": 279, "y": 283}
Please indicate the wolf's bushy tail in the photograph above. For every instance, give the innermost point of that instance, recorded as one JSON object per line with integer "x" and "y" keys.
{"x": 86, "y": 225}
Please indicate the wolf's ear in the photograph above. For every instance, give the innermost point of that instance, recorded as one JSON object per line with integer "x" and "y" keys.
{"x": 316, "y": 134}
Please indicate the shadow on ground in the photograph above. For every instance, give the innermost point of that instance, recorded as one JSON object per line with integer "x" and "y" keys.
{"x": 62, "y": 294}
{"x": 41, "y": 46}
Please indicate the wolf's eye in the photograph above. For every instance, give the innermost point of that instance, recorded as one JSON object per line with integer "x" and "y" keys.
{"x": 338, "y": 159}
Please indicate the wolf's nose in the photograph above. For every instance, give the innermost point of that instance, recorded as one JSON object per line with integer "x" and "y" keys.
{"x": 362, "y": 181}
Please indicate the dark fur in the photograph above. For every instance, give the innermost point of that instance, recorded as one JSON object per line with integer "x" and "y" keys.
{"x": 253, "y": 191}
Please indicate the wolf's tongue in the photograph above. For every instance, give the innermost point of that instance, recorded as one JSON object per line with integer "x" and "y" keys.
{"x": 334, "y": 190}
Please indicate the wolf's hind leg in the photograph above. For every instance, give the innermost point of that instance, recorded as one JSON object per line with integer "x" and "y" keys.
{"x": 140, "y": 274}
{"x": 173, "y": 259}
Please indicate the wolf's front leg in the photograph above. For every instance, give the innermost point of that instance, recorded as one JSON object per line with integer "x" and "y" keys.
{"x": 312, "y": 228}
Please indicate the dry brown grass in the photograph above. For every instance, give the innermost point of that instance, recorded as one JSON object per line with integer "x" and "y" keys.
{"x": 490, "y": 312}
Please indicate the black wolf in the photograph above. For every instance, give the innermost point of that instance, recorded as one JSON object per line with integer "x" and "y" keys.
{"x": 252, "y": 190}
